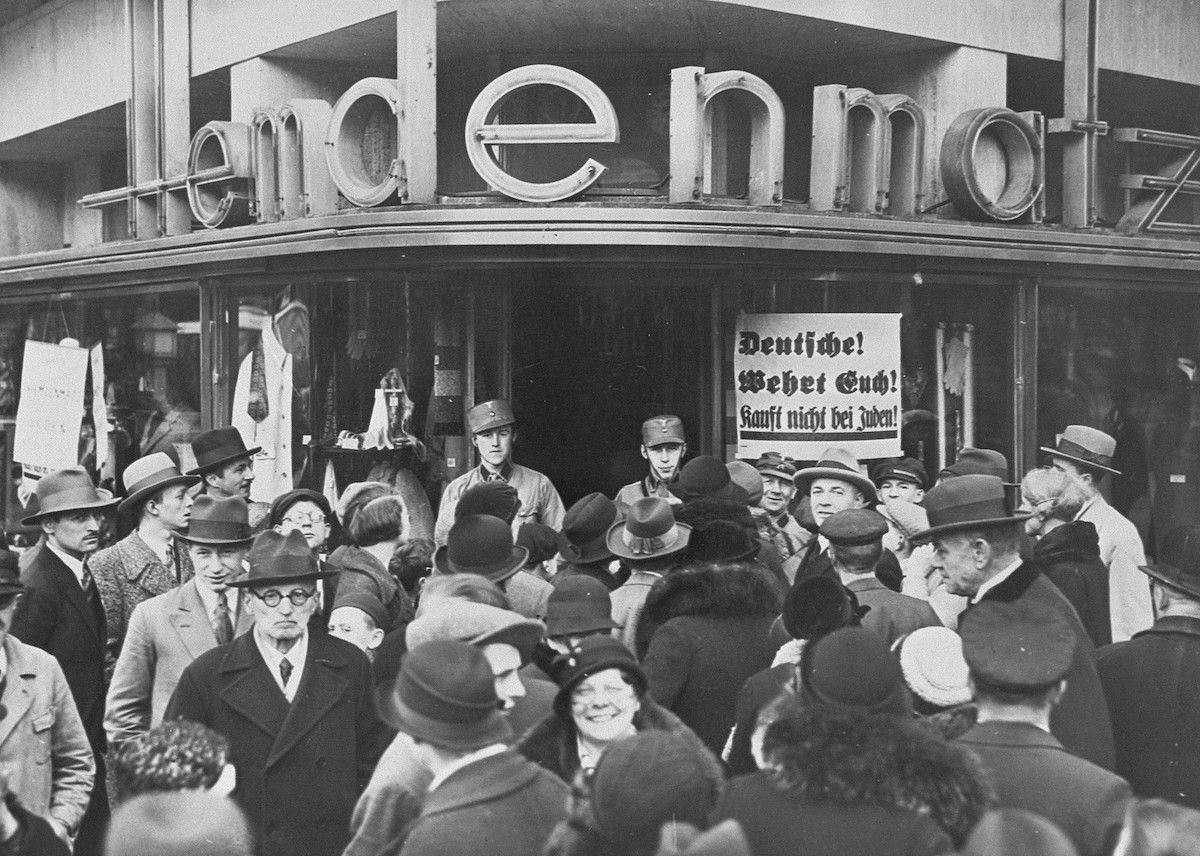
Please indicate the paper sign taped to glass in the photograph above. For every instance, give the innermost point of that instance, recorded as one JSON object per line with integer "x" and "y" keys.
{"x": 805, "y": 382}
{"x": 50, "y": 412}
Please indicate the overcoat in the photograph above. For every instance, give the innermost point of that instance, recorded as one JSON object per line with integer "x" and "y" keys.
{"x": 1080, "y": 719}
{"x": 166, "y": 633}
{"x": 128, "y": 573}
{"x": 1153, "y": 695}
{"x": 1069, "y": 556}
{"x": 1031, "y": 770}
{"x": 300, "y": 767}
{"x": 892, "y": 614}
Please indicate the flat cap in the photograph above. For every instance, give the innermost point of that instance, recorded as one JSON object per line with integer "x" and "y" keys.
{"x": 854, "y": 526}
{"x": 907, "y": 469}
{"x": 1016, "y": 647}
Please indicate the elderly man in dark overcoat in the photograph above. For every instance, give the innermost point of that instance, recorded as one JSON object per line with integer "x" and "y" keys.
{"x": 297, "y": 708}
{"x": 976, "y": 539}
{"x": 1150, "y": 680}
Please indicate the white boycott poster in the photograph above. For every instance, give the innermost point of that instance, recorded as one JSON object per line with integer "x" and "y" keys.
{"x": 50, "y": 412}
{"x": 805, "y": 382}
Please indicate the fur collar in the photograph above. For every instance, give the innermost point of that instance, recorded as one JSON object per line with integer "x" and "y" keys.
{"x": 848, "y": 757}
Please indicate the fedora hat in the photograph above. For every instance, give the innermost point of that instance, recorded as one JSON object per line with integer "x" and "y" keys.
{"x": 478, "y": 624}
{"x": 68, "y": 489}
{"x": 706, "y": 476}
{"x": 579, "y": 604}
{"x": 218, "y": 521}
{"x": 150, "y": 474}
{"x": 490, "y": 415}
{"x": 748, "y": 479}
{"x": 445, "y": 694}
{"x": 1085, "y": 446}
{"x": 978, "y": 462}
{"x": 649, "y": 531}
{"x": 218, "y": 446}
{"x": 967, "y": 502}
{"x": 1179, "y": 567}
{"x": 480, "y": 544}
{"x": 581, "y": 541}
{"x": 836, "y": 463}
{"x": 275, "y": 558}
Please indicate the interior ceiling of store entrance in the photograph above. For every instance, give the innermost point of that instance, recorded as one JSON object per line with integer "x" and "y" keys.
{"x": 763, "y": 41}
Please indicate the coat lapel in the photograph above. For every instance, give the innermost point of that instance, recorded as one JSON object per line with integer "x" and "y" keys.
{"x": 321, "y": 688}
{"x": 17, "y": 696}
{"x": 72, "y": 591}
{"x": 248, "y": 687}
{"x": 191, "y": 623}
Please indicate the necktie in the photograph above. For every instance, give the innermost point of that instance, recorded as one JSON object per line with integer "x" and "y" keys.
{"x": 89, "y": 585}
{"x": 222, "y": 625}
{"x": 285, "y": 670}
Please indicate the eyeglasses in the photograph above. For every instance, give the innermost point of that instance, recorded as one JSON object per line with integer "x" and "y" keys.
{"x": 274, "y": 597}
{"x": 585, "y": 696}
{"x": 313, "y": 520}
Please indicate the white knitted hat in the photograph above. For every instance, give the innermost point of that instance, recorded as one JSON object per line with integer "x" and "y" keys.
{"x": 934, "y": 667}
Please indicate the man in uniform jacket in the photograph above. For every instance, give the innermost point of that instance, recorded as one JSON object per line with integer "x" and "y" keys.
{"x": 976, "y": 538}
{"x": 1018, "y": 654}
{"x": 663, "y": 447}
{"x": 297, "y": 708}
{"x": 168, "y": 632}
{"x": 60, "y": 612}
{"x": 1150, "y": 681}
{"x": 148, "y": 561}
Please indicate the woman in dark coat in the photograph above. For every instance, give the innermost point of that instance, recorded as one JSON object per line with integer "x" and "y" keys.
{"x": 588, "y": 714}
{"x": 1068, "y": 550}
{"x": 706, "y": 630}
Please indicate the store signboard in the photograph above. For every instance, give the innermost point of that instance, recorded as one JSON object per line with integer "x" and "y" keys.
{"x": 50, "y": 413}
{"x": 806, "y": 382}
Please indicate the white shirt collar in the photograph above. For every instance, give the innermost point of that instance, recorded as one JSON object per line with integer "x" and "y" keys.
{"x": 470, "y": 758}
{"x": 76, "y": 565}
{"x": 208, "y": 597}
{"x": 159, "y": 546}
{"x": 996, "y": 580}
{"x": 273, "y": 657}
{"x": 3, "y": 660}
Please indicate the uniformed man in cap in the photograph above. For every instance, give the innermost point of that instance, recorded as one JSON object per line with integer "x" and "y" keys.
{"x": 1019, "y": 654}
{"x": 775, "y": 520}
{"x": 663, "y": 446}
{"x": 493, "y": 430}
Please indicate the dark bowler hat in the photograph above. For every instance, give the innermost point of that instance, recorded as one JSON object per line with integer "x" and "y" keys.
{"x": 147, "y": 475}
{"x": 276, "y": 558}
{"x": 906, "y": 469}
{"x": 489, "y": 415}
{"x": 706, "y": 476}
{"x": 649, "y": 532}
{"x": 854, "y": 527}
{"x": 579, "y": 604}
{"x": 587, "y": 657}
{"x": 480, "y": 544}
{"x": 661, "y": 430}
{"x": 581, "y": 541}
{"x": 775, "y": 464}
{"x": 1179, "y": 568}
{"x": 1085, "y": 446}
{"x": 68, "y": 489}
{"x": 977, "y": 462}
{"x": 10, "y": 573}
{"x": 1016, "y": 646}
{"x": 218, "y": 521}
{"x": 283, "y": 502}
{"x": 967, "y": 502}
{"x": 852, "y": 669}
{"x": 836, "y": 463}
{"x": 445, "y": 694}
{"x": 218, "y": 446}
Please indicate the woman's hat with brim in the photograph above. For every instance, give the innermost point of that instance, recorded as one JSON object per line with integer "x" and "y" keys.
{"x": 852, "y": 669}
{"x": 840, "y": 464}
{"x": 217, "y": 447}
{"x": 150, "y": 474}
{"x": 705, "y": 475}
{"x": 582, "y": 539}
{"x": 480, "y": 544}
{"x": 722, "y": 541}
{"x": 579, "y": 604}
{"x": 445, "y": 694}
{"x": 967, "y": 502}
{"x": 1179, "y": 568}
{"x": 65, "y": 490}
{"x": 218, "y": 522}
{"x": 1085, "y": 446}
{"x": 477, "y": 624}
{"x": 275, "y": 558}
{"x": 649, "y": 531}
{"x": 587, "y": 657}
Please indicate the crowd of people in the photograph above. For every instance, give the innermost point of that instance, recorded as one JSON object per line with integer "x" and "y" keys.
{"x": 731, "y": 659}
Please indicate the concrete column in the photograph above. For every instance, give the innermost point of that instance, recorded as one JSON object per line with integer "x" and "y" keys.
{"x": 81, "y": 227}
{"x": 30, "y": 208}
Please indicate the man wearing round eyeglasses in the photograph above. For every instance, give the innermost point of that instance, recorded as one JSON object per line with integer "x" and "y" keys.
{"x": 298, "y": 708}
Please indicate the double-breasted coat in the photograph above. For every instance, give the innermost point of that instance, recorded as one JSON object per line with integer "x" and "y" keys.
{"x": 300, "y": 766}
{"x": 166, "y": 633}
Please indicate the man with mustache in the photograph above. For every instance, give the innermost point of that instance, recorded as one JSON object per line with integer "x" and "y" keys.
{"x": 61, "y": 613}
